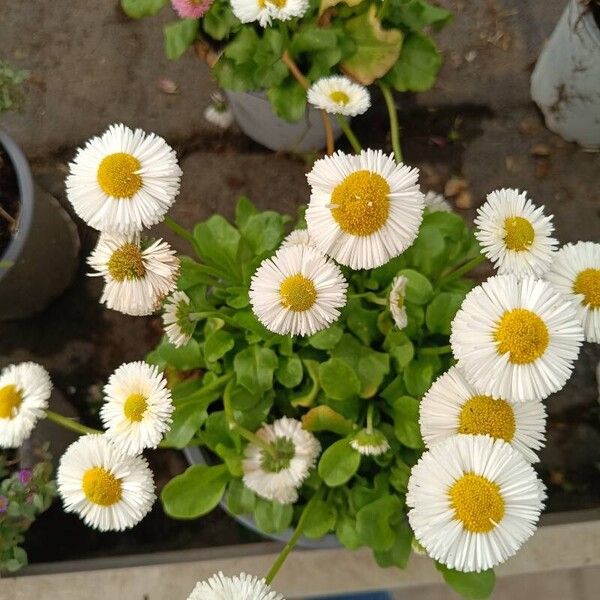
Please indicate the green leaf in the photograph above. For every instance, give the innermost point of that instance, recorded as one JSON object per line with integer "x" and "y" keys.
{"x": 362, "y": 322}
{"x": 263, "y": 231}
{"x": 418, "y": 65}
{"x": 399, "y": 553}
{"x": 288, "y": 100}
{"x": 218, "y": 243}
{"x": 273, "y": 517}
{"x": 327, "y": 338}
{"x": 338, "y": 379}
{"x": 290, "y": 371}
{"x": 370, "y": 366}
{"x": 400, "y": 348}
{"x": 320, "y": 519}
{"x": 375, "y": 522}
{"x": 308, "y": 395}
{"x": 338, "y": 463}
{"x": 441, "y": 312}
{"x": 312, "y": 38}
{"x": 185, "y": 358}
{"x": 399, "y": 476}
{"x": 195, "y": 492}
{"x": 137, "y": 9}
{"x": 243, "y": 46}
{"x": 473, "y": 586}
{"x": 345, "y": 530}
{"x": 240, "y": 500}
{"x": 244, "y": 209}
{"x": 217, "y": 344}
{"x": 428, "y": 254}
{"x": 406, "y": 421}
{"x": 377, "y": 49}
{"x": 420, "y": 373}
{"x": 417, "y": 14}
{"x": 187, "y": 419}
{"x": 220, "y": 21}
{"x": 418, "y": 288}
{"x": 324, "y": 418}
{"x": 179, "y": 36}
{"x": 254, "y": 368}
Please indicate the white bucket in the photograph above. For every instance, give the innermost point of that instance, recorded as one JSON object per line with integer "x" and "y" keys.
{"x": 566, "y": 80}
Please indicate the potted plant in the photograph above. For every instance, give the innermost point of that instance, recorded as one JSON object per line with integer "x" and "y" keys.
{"x": 566, "y": 80}
{"x": 256, "y": 51}
{"x": 317, "y": 369}
{"x": 38, "y": 241}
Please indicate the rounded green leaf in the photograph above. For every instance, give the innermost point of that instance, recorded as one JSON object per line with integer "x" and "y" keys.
{"x": 406, "y": 422}
{"x": 472, "y": 586}
{"x": 179, "y": 36}
{"x": 217, "y": 344}
{"x": 418, "y": 288}
{"x": 338, "y": 463}
{"x": 374, "y": 522}
{"x": 441, "y": 312}
{"x": 290, "y": 371}
{"x": 273, "y": 517}
{"x": 338, "y": 379}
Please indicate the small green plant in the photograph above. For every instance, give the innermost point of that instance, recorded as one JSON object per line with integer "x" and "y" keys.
{"x": 11, "y": 92}
{"x": 24, "y": 494}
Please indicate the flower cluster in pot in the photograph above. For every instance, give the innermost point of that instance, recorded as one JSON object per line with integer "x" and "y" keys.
{"x": 258, "y": 45}
{"x": 345, "y": 377}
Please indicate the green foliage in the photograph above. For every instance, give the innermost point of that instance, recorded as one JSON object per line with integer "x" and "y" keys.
{"x": 179, "y": 36}
{"x": 24, "y": 495}
{"x": 11, "y": 94}
{"x": 472, "y": 586}
{"x": 137, "y": 9}
{"x": 235, "y": 370}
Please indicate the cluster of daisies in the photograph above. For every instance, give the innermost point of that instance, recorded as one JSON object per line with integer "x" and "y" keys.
{"x": 102, "y": 476}
{"x": 120, "y": 183}
{"x": 474, "y": 497}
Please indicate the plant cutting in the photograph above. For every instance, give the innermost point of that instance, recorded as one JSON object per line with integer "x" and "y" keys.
{"x": 343, "y": 373}
{"x": 261, "y": 47}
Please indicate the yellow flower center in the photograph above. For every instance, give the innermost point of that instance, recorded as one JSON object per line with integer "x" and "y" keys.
{"x": 135, "y": 406}
{"x": 400, "y": 301}
{"x": 298, "y": 293}
{"x": 477, "y": 503}
{"x": 117, "y": 175}
{"x": 588, "y": 284}
{"x": 340, "y": 97}
{"x": 518, "y": 234}
{"x": 361, "y": 203}
{"x": 481, "y": 415}
{"x": 522, "y": 334}
{"x": 127, "y": 263}
{"x": 278, "y": 3}
{"x": 10, "y": 400}
{"x": 101, "y": 486}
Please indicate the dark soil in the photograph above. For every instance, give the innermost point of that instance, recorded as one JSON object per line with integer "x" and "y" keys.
{"x": 9, "y": 200}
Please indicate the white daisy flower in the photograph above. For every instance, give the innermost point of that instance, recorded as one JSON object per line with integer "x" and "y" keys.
{"x": 136, "y": 279}
{"x": 397, "y": 307}
{"x": 218, "y": 112}
{"x": 265, "y": 11}
{"x": 516, "y": 338}
{"x": 297, "y": 291}
{"x": 514, "y": 234}
{"x": 370, "y": 442}
{"x": 298, "y": 237}
{"x": 435, "y": 202}
{"x": 452, "y": 405}
{"x": 109, "y": 490}
{"x": 277, "y": 477}
{"x": 124, "y": 180}
{"x": 239, "y": 587}
{"x": 575, "y": 272}
{"x": 179, "y": 328}
{"x": 474, "y": 501}
{"x": 364, "y": 209}
{"x": 24, "y": 392}
{"x": 339, "y": 95}
{"x": 138, "y": 407}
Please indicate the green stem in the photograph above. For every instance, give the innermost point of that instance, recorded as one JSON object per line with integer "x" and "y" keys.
{"x": 350, "y": 135}
{"x": 394, "y": 127}
{"x": 294, "y": 539}
{"x": 435, "y": 350}
{"x": 253, "y": 438}
{"x": 69, "y": 423}
{"x": 458, "y": 273}
{"x": 180, "y": 231}
{"x": 370, "y": 410}
{"x": 198, "y": 316}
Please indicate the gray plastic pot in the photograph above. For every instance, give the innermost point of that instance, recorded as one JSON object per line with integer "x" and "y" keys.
{"x": 41, "y": 259}
{"x": 565, "y": 83}
{"x": 195, "y": 456}
{"x": 255, "y": 117}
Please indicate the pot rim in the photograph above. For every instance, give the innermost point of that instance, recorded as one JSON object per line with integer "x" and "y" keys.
{"x": 26, "y": 199}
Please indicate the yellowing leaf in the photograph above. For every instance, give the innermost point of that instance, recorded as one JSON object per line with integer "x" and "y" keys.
{"x": 377, "y": 49}
{"x": 325, "y": 4}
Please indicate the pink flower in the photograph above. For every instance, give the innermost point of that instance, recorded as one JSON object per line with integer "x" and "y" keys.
{"x": 191, "y": 9}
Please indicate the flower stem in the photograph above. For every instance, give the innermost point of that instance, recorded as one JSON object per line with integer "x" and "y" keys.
{"x": 253, "y": 438}
{"x": 370, "y": 410}
{"x": 294, "y": 539}
{"x": 394, "y": 127}
{"x": 182, "y": 232}
{"x": 458, "y": 273}
{"x": 350, "y": 135}
{"x": 435, "y": 350}
{"x": 68, "y": 423}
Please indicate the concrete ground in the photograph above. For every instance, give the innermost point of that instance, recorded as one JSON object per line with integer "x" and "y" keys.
{"x": 91, "y": 66}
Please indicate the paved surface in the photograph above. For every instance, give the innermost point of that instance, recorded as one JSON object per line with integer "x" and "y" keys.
{"x": 92, "y": 66}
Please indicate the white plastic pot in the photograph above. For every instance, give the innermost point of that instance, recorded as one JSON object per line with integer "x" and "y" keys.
{"x": 566, "y": 80}
{"x": 255, "y": 117}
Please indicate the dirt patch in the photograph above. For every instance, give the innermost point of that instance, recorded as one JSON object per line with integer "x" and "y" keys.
{"x": 9, "y": 201}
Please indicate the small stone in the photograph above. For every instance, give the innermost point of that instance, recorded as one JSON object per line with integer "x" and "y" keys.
{"x": 167, "y": 86}
{"x": 557, "y": 478}
{"x": 511, "y": 163}
{"x": 529, "y": 126}
{"x": 542, "y": 168}
{"x": 539, "y": 150}
{"x": 464, "y": 199}
{"x": 454, "y": 186}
